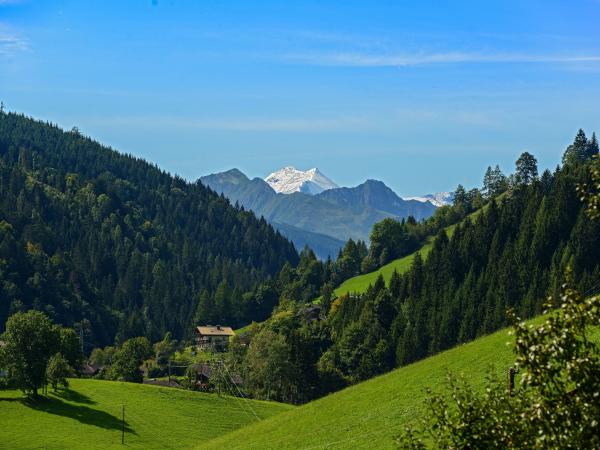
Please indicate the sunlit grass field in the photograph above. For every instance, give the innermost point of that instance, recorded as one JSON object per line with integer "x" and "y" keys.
{"x": 371, "y": 414}
{"x": 88, "y": 416}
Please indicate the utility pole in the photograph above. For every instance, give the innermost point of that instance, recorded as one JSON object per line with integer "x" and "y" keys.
{"x": 123, "y": 427}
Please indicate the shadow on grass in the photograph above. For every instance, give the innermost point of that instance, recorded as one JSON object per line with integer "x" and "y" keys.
{"x": 73, "y": 396}
{"x": 81, "y": 413}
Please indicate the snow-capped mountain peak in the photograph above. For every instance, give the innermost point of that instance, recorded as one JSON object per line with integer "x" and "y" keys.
{"x": 438, "y": 199}
{"x": 289, "y": 180}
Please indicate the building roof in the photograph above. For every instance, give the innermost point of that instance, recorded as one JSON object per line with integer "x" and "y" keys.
{"x": 217, "y": 330}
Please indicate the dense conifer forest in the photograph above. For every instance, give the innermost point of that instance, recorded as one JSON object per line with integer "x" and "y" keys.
{"x": 94, "y": 237}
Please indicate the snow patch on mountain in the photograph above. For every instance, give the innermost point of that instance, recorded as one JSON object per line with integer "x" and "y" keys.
{"x": 289, "y": 180}
{"x": 438, "y": 199}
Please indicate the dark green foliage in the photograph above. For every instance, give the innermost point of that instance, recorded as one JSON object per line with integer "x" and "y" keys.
{"x": 556, "y": 405}
{"x": 70, "y": 347}
{"x": 390, "y": 240}
{"x": 581, "y": 150}
{"x": 30, "y": 339}
{"x": 164, "y": 350}
{"x": 592, "y": 147}
{"x": 29, "y": 342}
{"x": 281, "y": 361}
{"x": 57, "y": 371}
{"x": 87, "y": 233}
{"x": 494, "y": 182}
{"x": 127, "y": 360}
{"x": 102, "y": 356}
{"x": 527, "y": 171}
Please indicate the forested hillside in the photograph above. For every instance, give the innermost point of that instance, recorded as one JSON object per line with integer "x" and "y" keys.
{"x": 513, "y": 254}
{"x": 94, "y": 236}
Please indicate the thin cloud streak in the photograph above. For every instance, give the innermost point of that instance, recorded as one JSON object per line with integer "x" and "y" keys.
{"x": 11, "y": 45}
{"x": 293, "y": 125}
{"x": 367, "y": 60}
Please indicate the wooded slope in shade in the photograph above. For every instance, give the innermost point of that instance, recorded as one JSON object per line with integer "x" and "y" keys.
{"x": 87, "y": 233}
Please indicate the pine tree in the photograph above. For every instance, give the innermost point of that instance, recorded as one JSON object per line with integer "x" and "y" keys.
{"x": 577, "y": 151}
{"x": 592, "y": 147}
{"x": 460, "y": 196}
{"x": 526, "y": 169}
{"x": 488, "y": 183}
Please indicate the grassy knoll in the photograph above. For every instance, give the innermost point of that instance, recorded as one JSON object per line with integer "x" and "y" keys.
{"x": 89, "y": 416}
{"x": 360, "y": 283}
{"x": 370, "y": 414}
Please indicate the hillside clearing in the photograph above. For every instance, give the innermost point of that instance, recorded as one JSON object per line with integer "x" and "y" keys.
{"x": 89, "y": 416}
{"x": 360, "y": 283}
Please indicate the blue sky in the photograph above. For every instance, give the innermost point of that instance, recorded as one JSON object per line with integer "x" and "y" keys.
{"x": 422, "y": 95}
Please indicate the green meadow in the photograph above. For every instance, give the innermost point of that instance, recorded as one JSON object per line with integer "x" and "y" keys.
{"x": 88, "y": 416}
{"x": 371, "y": 414}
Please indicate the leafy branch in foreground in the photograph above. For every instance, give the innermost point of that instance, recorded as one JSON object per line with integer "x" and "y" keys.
{"x": 557, "y": 404}
{"x": 591, "y": 194}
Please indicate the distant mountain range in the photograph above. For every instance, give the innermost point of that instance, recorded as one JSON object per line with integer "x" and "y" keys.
{"x": 437, "y": 199}
{"x": 309, "y": 208}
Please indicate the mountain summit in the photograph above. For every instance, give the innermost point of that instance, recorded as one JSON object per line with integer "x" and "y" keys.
{"x": 289, "y": 180}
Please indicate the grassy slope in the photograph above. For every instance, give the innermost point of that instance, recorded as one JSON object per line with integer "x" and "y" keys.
{"x": 360, "y": 283}
{"x": 88, "y": 416}
{"x": 370, "y": 414}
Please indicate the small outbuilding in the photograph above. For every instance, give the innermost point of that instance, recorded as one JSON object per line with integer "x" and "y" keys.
{"x": 213, "y": 338}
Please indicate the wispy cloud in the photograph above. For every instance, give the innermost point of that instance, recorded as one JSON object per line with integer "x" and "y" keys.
{"x": 417, "y": 59}
{"x": 10, "y": 42}
{"x": 249, "y": 125}
{"x": 10, "y": 45}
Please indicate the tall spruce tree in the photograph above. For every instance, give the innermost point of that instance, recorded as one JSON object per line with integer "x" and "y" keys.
{"x": 577, "y": 151}
{"x": 592, "y": 147}
{"x": 526, "y": 169}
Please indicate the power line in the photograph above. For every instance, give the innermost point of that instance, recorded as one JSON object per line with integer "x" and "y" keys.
{"x": 240, "y": 392}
